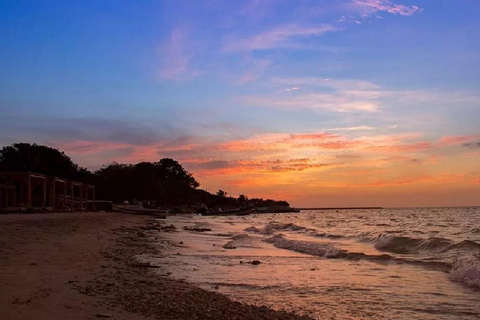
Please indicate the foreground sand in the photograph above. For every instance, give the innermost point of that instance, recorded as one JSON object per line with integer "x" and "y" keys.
{"x": 81, "y": 266}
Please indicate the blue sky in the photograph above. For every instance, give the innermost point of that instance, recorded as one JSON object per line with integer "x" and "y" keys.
{"x": 233, "y": 88}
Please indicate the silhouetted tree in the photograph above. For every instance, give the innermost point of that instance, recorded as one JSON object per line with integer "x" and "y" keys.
{"x": 221, "y": 193}
{"x": 114, "y": 182}
{"x": 165, "y": 181}
{"x": 242, "y": 198}
{"x": 40, "y": 159}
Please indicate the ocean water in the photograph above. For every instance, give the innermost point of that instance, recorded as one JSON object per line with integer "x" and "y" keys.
{"x": 411, "y": 263}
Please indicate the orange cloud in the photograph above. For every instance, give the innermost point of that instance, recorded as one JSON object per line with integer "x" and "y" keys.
{"x": 362, "y": 172}
{"x": 450, "y": 140}
{"x": 441, "y": 179}
{"x": 407, "y": 147}
{"x": 302, "y": 163}
{"x": 238, "y": 167}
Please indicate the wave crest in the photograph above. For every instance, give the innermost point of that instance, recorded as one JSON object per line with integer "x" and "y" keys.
{"x": 467, "y": 271}
{"x": 408, "y": 245}
{"x": 273, "y": 226}
{"x": 311, "y": 248}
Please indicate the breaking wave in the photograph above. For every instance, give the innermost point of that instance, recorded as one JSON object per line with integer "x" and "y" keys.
{"x": 475, "y": 231}
{"x": 459, "y": 259}
{"x": 311, "y": 248}
{"x": 273, "y": 226}
{"x": 467, "y": 271}
{"x": 408, "y": 245}
{"x": 241, "y": 240}
{"x": 331, "y": 252}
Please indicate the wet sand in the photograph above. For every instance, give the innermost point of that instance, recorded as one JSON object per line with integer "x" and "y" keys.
{"x": 81, "y": 266}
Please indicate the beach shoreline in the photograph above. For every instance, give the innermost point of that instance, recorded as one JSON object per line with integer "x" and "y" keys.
{"x": 82, "y": 266}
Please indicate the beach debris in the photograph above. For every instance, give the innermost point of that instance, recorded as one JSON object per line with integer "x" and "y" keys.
{"x": 197, "y": 229}
{"x": 104, "y": 315}
{"x": 254, "y": 262}
{"x": 229, "y": 245}
{"x": 168, "y": 228}
{"x": 144, "y": 265}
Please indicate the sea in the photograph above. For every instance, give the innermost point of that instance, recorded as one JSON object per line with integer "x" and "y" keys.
{"x": 405, "y": 263}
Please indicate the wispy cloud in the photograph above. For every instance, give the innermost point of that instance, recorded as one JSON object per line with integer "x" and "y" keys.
{"x": 283, "y": 36}
{"x": 344, "y": 95}
{"x": 359, "y": 128}
{"x": 422, "y": 179}
{"x": 379, "y": 144}
{"x": 338, "y": 102}
{"x": 219, "y": 167}
{"x": 256, "y": 68}
{"x": 352, "y": 95}
{"x": 453, "y": 140}
{"x": 339, "y": 84}
{"x": 388, "y": 6}
{"x": 176, "y": 54}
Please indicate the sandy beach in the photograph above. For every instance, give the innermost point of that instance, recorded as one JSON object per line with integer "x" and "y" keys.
{"x": 82, "y": 266}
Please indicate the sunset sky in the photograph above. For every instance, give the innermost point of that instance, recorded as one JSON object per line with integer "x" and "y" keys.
{"x": 320, "y": 103}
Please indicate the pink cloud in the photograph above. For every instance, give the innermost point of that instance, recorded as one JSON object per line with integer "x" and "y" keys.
{"x": 342, "y": 84}
{"x": 242, "y": 167}
{"x": 388, "y": 6}
{"x": 281, "y": 36}
{"x": 336, "y": 101}
{"x": 176, "y": 55}
{"x": 423, "y": 179}
{"x": 256, "y": 69}
{"x": 405, "y": 147}
{"x": 451, "y": 140}
{"x": 277, "y": 141}
{"x": 362, "y": 172}
{"x": 326, "y": 141}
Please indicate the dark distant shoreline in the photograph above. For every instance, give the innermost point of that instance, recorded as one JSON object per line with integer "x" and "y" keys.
{"x": 344, "y": 208}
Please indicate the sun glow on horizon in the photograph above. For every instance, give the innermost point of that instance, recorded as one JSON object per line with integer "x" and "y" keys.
{"x": 328, "y": 103}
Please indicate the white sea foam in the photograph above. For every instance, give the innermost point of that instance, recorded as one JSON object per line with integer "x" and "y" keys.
{"x": 274, "y": 226}
{"x": 311, "y": 248}
{"x": 467, "y": 271}
{"x": 241, "y": 240}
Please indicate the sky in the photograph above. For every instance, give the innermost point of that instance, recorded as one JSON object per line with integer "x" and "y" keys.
{"x": 321, "y": 103}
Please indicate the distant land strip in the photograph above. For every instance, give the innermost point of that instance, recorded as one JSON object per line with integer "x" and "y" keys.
{"x": 343, "y": 208}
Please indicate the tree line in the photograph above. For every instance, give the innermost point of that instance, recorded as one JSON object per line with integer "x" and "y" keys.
{"x": 165, "y": 182}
